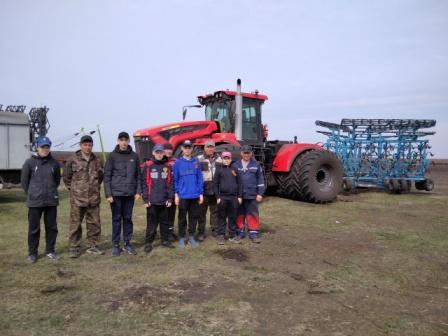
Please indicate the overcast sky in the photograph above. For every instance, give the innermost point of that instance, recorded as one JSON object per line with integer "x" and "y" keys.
{"x": 133, "y": 64}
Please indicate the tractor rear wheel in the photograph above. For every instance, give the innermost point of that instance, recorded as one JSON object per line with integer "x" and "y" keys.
{"x": 316, "y": 176}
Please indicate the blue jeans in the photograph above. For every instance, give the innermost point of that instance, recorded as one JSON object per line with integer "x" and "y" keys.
{"x": 122, "y": 207}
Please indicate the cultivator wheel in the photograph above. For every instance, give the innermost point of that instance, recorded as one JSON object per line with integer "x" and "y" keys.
{"x": 347, "y": 185}
{"x": 316, "y": 176}
{"x": 427, "y": 184}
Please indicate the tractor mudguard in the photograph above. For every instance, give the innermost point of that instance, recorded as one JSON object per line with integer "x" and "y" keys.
{"x": 288, "y": 153}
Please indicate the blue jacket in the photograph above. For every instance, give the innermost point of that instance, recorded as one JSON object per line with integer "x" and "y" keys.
{"x": 252, "y": 178}
{"x": 188, "y": 180}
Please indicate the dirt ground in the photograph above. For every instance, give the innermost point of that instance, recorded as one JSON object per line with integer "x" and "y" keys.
{"x": 372, "y": 263}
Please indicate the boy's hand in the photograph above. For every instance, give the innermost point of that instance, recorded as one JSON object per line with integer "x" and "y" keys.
{"x": 176, "y": 200}
{"x": 147, "y": 205}
{"x": 240, "y": 200}
{"x": 218, "y": 200}
{"x": 110, "y": 199}
{"x": 259, "y": 198}
{"x": 168, "y": 204}
{"x": 201, "y": 199}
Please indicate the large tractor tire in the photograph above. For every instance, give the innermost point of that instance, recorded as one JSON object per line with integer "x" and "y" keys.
{"x": 315, "y": 177}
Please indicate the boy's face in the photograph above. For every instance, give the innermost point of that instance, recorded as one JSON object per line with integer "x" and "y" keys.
{"x": 168, "y": 153}
{"x": 226, "y": 161}
{"x": 187, "y": 150}
{"x": 158, "y": 155}
{"x": 123, "y": 143}
{"x": 246, "y": 155}
{"x": 43, "y": 151}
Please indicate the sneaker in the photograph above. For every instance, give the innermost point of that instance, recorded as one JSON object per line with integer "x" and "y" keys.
{"x": 148, "y": 249}
{"x": 214, "y": 233}
{"x": 192, "y": 241}
{"x": 129, "y": 249}
{"x": 74, "y": 252}
{"x": 95, "y": 250}
{"x": 200, "y": 238}
{"x": 167, "y": 244}
{"x": 53, "y": 256}
{"x": 241, "y": 234}
{"x": 31, "y": 259}
{"x": 181, "y": 243}
{"x": 221, "y": 240}
{"x": 235, "y": 240}
{"x": 116, "y": 251}
{"x": 255, "y": 239}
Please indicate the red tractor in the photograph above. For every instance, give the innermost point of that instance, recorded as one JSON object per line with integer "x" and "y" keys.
{"x": 233, "y": 118}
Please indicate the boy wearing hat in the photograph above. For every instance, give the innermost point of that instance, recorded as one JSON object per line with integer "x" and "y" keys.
{"x": 252, "y": 179}
{"x": 228, "y": 190}
{"x": 83, "y": 175}
{"x": 209, "y": 161}
{"x": 170, "y": 159}
{"x": 188, "y": 188}
{"x": 122, "y": 189}
{"x": 40, "y": 179}
{"x": 157, "y": 193}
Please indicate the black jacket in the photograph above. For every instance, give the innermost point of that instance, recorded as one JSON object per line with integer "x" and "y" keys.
{"x": 40, "y": 180}
{"x": 157, "y": 186}
{"x": 227, "y": 182}
{"x": 122, "y": 173}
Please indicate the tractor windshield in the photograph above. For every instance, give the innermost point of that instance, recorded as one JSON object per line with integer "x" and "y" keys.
{"x": 221, "y": 112}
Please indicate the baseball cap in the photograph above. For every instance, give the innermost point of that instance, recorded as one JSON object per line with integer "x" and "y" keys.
{"x": 246, "y": 148}
{"x": 158, "y": 148}
{"x": 123, "y": 135}
{"x": 86, "y": 138}
{"x": 43, "y": 141}
{"x": 226, "y": 154}
{"x": 187, "y": 143}
{"x": 168, "y": 146}
{"x": 210, "y": 143}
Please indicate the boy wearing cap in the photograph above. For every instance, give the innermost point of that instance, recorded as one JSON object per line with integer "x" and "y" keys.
{"x": 157, "y": 193}
{"x": 209, "y": 161}
{"x": 83, "y": 175}
{"x": 40, "y": 179}
{"x": 188, "y": 188}
{"x": 252, "y": 179}
{"x": 228, "y": 190}
{"x": 122, "y": 189}
{"x": 170, "y": 159}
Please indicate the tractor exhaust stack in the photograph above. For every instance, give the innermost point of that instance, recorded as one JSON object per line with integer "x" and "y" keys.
{"x": 238, "y": 112}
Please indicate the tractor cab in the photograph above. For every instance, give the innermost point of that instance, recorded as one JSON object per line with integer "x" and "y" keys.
{"x": 221, "y": 107}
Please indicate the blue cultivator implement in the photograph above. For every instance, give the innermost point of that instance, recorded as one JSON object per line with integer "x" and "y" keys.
{"x": 381, "y": 153}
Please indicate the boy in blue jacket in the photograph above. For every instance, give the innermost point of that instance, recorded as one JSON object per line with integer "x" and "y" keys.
{"x": 252, "y": 179}
{"x": 157, "y": 193}
{"x": 188, "y": 188}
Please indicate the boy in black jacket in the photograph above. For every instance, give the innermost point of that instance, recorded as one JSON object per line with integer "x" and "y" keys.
{"x": 228, "y": 190}
{"x": 158, "y": 196}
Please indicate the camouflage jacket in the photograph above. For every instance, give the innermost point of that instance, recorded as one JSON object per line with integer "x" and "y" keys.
{"x": 83, "y": 178}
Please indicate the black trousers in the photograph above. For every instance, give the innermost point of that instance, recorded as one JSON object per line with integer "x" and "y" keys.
{"x": 209, "y": 203}
{"x": 188, "y": 207}
{"x": 51, "y": 228}
{"x": 171, "y": 211}
{"x": 227, "y": 211}
{"x": 122, "y": 207}
{"x": 156, "y": 215}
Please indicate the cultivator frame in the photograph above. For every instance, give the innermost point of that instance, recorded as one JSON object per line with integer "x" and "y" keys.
{"x": 381, "y": 153}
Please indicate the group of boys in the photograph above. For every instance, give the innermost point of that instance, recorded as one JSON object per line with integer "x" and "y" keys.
{"x": 194, "y": 185}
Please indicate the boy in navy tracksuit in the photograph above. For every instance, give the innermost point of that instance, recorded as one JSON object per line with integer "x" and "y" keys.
{"x": 170, "y": 160}
{"x": 228, "y": 191}
{"x": 158, "y": 196}
{"x": 252, "y": 179}
{"x": 188, "y": 188}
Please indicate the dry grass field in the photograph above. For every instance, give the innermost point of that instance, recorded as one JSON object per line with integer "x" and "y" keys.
{"x": 372, "y": 263}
